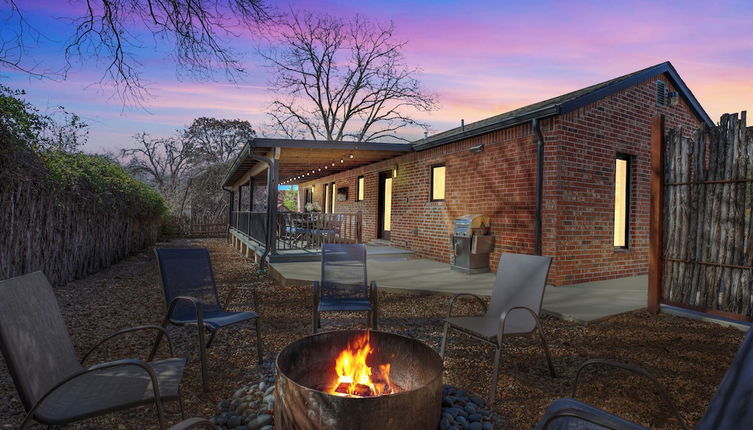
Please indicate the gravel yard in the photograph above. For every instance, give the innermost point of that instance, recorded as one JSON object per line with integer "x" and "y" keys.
{"x": 688, "y": 357}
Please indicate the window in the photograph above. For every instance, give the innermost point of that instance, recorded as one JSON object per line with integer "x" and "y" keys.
{"x": 359, "y": 189}
{"x": 621, "y": 201}
{"x": 333, "y": 192}
{"x": 437, "y": 182}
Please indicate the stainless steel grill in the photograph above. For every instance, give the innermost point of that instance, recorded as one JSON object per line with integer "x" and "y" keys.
{"x": 471, "y": 244}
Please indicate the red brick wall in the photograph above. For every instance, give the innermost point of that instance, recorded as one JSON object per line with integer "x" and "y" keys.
{"x": 578, "y": 208}
{"x": 580, "y": 175}
{"x": 499, "y": 182}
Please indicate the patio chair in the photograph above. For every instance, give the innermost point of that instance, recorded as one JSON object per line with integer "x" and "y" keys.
{"x": 513, "y": 311}
{"x": 54, "y": 386}
{"x": 195, "y": 423}
{"x": 344, "y": 286}
{"x": 192, "y": 300}
{"x": 730, "y": 408}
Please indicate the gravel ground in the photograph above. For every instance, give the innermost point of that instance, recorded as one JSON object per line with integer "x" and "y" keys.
{"x": 688, "y": 357}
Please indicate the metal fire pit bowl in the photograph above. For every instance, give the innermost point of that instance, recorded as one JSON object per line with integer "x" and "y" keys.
{"x": 309, "y": 363}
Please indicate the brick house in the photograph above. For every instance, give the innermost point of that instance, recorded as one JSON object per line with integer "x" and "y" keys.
{"x": 593, "y": 146}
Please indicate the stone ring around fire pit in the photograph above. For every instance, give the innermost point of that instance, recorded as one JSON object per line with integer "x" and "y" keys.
{"x": 320, "y": 385}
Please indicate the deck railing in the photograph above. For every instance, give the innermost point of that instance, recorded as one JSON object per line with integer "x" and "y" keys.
{"x": 252, "y": 224}
{"x": 300, "y": 230}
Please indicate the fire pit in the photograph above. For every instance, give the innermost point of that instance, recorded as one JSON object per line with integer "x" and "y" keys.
{"x": 358, "y": 379}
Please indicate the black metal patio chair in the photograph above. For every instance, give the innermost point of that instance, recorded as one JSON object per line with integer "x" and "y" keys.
{"x": 344, "y": 286}
{"x": 730, "y": 408}
{"x": 54, "y": 386}
{"x": 192, "y": 300}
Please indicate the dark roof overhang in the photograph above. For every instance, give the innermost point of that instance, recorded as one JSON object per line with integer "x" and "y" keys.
{"x": 301, "y": 157}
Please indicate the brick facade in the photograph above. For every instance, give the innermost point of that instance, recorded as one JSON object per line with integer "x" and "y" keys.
{"x": 500, "y": 181}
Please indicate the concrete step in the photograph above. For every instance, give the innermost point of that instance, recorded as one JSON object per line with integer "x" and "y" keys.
{"x": 374, "y": 252}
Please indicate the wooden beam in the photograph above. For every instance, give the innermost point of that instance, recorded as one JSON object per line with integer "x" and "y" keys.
{"x": 656, "y": 233}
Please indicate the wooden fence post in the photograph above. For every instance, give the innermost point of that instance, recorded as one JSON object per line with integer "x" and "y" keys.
{"x": 656, "y": 233}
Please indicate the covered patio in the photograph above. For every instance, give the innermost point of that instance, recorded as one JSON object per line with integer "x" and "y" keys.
{"x": 265, "y": 164}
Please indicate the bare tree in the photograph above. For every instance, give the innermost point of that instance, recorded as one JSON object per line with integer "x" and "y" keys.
{"x": 197, "y": 32}
{"x": 188, "y": 168}
{"x": 163, "y": 162}
{"x": 215, "y": 140}
{"x": 213, "y": 144}
{"x": 339, "y": 79}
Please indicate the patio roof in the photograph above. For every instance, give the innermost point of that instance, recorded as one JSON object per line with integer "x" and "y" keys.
{"x": 304, "y": 160}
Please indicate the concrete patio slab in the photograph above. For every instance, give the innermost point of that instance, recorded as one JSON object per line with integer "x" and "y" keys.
{"x": 580, "y": 302}
{"x": 591, "y": 301}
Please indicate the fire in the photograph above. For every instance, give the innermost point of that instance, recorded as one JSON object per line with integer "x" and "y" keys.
{"x": 354, "y": 376}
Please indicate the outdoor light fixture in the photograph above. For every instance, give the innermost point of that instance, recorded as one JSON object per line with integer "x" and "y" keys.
{"x": 394, "y": 171}
{"x": 342, "y": 161}
{"x": 476, "y": 149}
{"x": 333, "y": 164}
{"x": 351, "y": 156}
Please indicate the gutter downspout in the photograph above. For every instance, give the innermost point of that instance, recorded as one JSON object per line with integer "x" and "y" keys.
{"x": 539, "y": 183}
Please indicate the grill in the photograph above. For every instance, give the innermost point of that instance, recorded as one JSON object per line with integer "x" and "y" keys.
{"x": 471, "y": 244}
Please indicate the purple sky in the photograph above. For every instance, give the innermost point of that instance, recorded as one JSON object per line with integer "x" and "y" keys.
{"x": 480, "y": 58}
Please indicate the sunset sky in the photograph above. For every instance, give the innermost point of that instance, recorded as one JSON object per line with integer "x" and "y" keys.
{"x": 479, "y": 58}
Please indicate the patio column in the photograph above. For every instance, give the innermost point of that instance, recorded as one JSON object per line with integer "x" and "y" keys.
{"x": 251, "y": 195}
{"x": 272, "y": 184}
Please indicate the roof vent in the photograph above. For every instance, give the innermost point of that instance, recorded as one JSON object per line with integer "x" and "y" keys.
{"x": 661, "y": 93}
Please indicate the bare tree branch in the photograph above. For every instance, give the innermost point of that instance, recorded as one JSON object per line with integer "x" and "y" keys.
{"x": 341, "y": 79}
{"x": 196, "y": 31}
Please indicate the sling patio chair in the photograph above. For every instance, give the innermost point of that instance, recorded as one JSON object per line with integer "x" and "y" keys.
{"x": 54, "y": 386}
{"x": 195, "y": 423}
{"x": 192, "y": 300}
{"x": 730, "y": 408}
{"x": 513, "y": 311}
{"x": 344, "y": 286}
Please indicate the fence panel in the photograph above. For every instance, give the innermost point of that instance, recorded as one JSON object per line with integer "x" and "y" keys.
{"x": 707, "y": 216}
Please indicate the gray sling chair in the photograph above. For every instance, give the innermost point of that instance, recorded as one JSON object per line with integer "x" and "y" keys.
{"x": 344, "y": 286}
{"x": 192, "y": 300}
{"x": 513, "y": 311}
{"x": 730, "y": 408}
{"x": 54, "y": 386}
{"x": 195, "y": 423}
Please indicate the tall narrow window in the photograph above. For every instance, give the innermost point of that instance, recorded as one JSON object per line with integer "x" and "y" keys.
{"x": 326, "y": 198}
{"x": 621, "y": 201}
{"x": 437, "y": 182}
{"x": 359, "y": 189}
{"x": 333, "y": 191}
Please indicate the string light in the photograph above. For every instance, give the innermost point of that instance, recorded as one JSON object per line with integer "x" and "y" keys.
{"x": 326, "y": 167}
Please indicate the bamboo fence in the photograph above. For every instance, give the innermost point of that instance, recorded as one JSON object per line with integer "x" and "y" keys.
{"x": 64, "y": 234}
{"x": 708, "y": 217}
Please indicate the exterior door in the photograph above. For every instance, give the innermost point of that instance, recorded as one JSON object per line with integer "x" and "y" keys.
{"x": 384, "y": 216}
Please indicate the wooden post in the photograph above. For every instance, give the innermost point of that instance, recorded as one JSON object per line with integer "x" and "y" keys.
{"x": 656, "y": 233}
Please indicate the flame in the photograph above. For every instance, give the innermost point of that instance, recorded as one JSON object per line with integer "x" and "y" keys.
{"x": 354, "y": 376}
